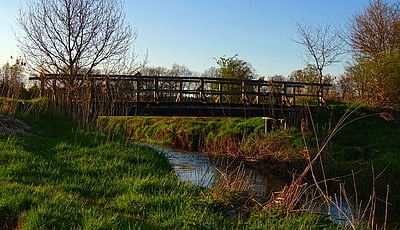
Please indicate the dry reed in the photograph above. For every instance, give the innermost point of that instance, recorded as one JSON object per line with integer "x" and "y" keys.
{"x": 293, "y": 195}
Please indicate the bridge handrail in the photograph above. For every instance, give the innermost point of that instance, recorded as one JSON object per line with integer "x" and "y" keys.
{"x": 101, "y": 77}
{"x": 202, "y": 87}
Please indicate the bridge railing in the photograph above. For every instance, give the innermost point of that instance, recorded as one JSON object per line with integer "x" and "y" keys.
{"x": 170, "y": 89}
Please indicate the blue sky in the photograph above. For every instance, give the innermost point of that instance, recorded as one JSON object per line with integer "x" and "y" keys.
{"x": 194, "y": 32}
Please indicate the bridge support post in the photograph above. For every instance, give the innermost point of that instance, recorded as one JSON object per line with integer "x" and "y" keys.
{"x": 266, "y": 119}
{"x": 282, "y": 123}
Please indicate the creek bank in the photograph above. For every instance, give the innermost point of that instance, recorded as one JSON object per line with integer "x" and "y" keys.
{"x": 236, "y": 139}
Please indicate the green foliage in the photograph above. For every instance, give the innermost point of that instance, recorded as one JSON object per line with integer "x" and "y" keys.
{"x": 232, "y": 67}
{"x": 383, "y": 81}
{"x": 375, "y": 73}
{"x": 309, "y": 74}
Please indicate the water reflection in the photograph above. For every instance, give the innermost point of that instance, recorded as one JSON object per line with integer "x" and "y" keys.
{"x": 205, "y": 171}
{"x": 199, "y": 169}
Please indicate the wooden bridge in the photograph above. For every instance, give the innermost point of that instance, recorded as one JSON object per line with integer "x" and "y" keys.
{"x": 192, "y": 96}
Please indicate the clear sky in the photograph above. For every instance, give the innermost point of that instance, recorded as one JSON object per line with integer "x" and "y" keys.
{"x": 194, "y": 32}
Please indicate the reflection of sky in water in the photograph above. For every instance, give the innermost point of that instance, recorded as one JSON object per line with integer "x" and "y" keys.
{"x": 193, "y": 167}
{"x": 340, "y": 211}
{"x": 197, "y": 168}
{"x": 201, "y": 170}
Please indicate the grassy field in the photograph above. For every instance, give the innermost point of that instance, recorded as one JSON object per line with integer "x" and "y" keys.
{"x": 60, "y": 176}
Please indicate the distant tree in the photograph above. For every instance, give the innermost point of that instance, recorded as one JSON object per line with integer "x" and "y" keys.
{"x": 347, "y": 87}
{"x": 234, "y": 68}
{"x": 309, "y": 74}
{"x": 180, "y": 71}
{"x": 276, "y": 78}
{"x": 12, "y": 74}
{"x": 374, "y": 36}
{"x": 174, "y": 71}
{"x": 11, "y": 85}
{"x": 154, "y": 71}
{"x": 211, "y": 72}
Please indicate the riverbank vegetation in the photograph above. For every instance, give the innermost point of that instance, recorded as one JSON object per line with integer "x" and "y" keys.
{"x": 360, "y": 156}
{"x": 57, "y": 175}
{"x": 236, "y": 138}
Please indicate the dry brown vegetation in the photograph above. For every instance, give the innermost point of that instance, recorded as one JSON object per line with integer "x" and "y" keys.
{"x": 253, "y": 148}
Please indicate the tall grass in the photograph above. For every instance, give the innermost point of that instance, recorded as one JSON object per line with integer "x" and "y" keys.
{"x": 352, "y": 212}
{"x": 61, "y": 176}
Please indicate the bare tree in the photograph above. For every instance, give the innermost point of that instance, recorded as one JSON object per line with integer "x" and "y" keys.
{"x": 376, "y": 30}
{"x": 211, "y": 72}
{"x": 74, "y": 36}
{"x": 323, "y": 46}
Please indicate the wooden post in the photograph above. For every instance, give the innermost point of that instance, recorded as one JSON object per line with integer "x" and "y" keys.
{"x": 282, "y": 123}
{"x": 257, "y": 99}
{"x": 201, "y": 88}
{"x": 219, "y": 97}
{"x": 136, "y": 90}
{"x": 179, "y": 96}
{"x": 42, "y": 84}
{"x": 294, "y": 95}
{"x": 244, "y": 94}
{"x": 155, "y": 92}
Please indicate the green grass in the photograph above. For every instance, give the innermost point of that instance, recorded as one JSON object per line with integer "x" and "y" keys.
{"x": 64, "y": 177}
{"x": 369, "y": 141}
{"x": 61, "y": 176}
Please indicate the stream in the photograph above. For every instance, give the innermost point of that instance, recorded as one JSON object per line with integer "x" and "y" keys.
{"x": 201, "y": 170}
{"x": 205, "y": 171}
